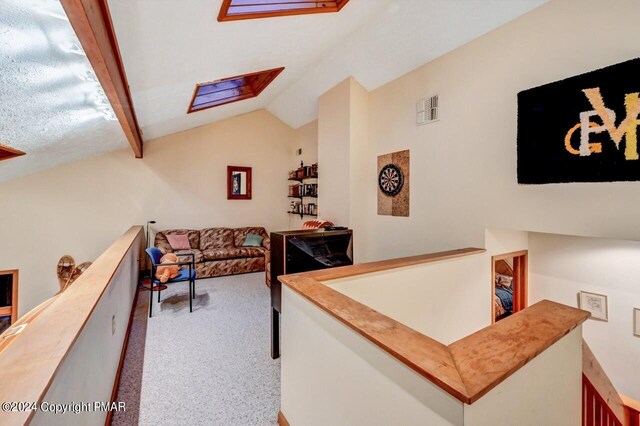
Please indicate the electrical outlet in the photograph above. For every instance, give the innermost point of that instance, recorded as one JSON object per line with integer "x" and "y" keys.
{"x": 113, "y": 325}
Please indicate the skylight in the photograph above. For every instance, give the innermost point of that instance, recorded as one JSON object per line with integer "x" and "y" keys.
{"x": 231, "y": 89}
{"x": 7, "y": 153}
{"x": 232, "y": 10}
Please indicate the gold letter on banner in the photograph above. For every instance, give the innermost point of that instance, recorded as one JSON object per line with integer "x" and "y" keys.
{"x": 627, "y": 126}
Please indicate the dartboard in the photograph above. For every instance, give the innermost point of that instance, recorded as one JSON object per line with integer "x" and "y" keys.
{"x": 390, "y": 179}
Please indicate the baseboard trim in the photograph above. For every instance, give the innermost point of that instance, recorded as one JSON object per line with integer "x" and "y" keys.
{"x": 282, "y": 420}
{"x": 125, "y": 343}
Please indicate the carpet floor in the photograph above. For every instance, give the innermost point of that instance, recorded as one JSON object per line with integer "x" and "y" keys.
{"x": 209, "y": 367}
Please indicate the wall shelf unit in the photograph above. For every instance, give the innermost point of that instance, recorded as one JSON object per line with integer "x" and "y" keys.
{"x": 303, "y": 214}
{"x": 300, "y": 179}
{"x": 303, "y": 189}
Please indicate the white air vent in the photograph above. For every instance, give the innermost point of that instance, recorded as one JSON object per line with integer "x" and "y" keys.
{"x": 427, "y": 110}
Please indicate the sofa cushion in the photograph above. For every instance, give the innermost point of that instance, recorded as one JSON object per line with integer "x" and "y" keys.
{"x": 240, "y": 234}
{"x": 253, "y": 240}
{"x": 198, "y": 257}
{"x": 233, "y": 253}
{"x": 163, "y": 244}
{"x": 179, "y": 242}
{"x": 216, "y": 238}
{"x": 216, "y": 268}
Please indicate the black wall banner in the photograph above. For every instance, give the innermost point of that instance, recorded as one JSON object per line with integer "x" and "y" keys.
{"x": 582, "y": 129}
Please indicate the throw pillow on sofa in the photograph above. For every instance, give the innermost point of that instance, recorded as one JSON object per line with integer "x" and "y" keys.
{"x": 179, "y": 242}
{"x": 252, "y": 240}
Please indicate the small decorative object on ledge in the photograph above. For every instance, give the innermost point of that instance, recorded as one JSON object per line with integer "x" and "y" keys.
{"x": 301, "y": 190}
{"x": 68, "y": 272}
{"x": 66, "y": 265}
{"x": 238, "y": 183}
{"x": 393, "y": 184}
{"x": 594, "y": 303}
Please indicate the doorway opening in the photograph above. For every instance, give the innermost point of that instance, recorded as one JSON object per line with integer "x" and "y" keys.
{"x": 508, "y": 284}
{"x": 8, "y": 298}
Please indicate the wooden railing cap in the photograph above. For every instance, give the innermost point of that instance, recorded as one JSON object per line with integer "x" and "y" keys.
{"x": 466, "y": 369}
{"x": 31, "y": 362}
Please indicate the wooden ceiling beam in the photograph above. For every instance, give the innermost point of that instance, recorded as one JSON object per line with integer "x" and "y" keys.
{"x": 92, "y": 24}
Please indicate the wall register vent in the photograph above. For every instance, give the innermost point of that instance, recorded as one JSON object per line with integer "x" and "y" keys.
{"x": 427, "y": 110}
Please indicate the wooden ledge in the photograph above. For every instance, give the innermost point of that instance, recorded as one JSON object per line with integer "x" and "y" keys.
{"x": 383, "y": 265}
{"x": 630, "y": 403}
{"x": 30, "y": 363}
{"x": 423, "y": 354}
{"x": 488, "y": 356}
{"x": 466, "y": 369}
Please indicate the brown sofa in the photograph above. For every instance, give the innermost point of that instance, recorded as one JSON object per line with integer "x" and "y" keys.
{"x": 219, "y": 251}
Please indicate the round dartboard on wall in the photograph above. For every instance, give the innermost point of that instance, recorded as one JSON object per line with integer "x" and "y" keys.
{"x": 390, "y": 179}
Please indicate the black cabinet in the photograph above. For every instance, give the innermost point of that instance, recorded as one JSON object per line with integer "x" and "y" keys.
{"x": 302, "y": 251}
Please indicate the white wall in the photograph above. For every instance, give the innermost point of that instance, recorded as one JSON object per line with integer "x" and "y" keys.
{"x": 333, "y": 376}
{"x": 561, "y": 266}
{"x": 88, "y": 372}
{"x": 430, "y": 298}
{"x": 546, "y": 391}
{"x": 463, "y": 171}
{"x": 343, "y": 145}
{"x": 81, "y": 208}
{"x": 359, "y": 162}
{"x": 334, "y": 153}
{"x": 503, "y": 241}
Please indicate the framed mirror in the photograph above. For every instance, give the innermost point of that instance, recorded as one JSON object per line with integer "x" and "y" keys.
{"x": 238, "y": 183}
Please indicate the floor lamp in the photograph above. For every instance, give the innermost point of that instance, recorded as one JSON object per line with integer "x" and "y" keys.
{"x": 149, "y": 222}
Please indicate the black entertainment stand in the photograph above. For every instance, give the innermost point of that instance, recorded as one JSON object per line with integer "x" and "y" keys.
{"x": 302, "y": 251}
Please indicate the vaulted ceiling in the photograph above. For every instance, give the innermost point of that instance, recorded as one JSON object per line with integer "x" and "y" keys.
{"x": 167, "y": 47}
{"x": 52, "y": 108}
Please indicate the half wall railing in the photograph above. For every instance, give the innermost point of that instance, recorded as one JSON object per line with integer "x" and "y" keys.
{"x": 69, "y": 347}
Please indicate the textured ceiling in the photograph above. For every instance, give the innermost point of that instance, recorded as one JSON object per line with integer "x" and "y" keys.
{"x": 50, "y": 101}
{"x": 167, "y": 47}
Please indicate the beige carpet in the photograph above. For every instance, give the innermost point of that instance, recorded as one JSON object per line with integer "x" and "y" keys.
{"x": 209, "y": 367}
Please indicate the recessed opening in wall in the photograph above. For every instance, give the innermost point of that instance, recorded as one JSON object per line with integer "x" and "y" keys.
{"x": 509, "y": 284}
{"x": 8, "y": 298}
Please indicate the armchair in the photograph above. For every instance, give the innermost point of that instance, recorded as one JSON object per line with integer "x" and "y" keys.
{"x": 185, "y": 274}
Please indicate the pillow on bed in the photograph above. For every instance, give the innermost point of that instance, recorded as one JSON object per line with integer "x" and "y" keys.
{"x": 504, "y": 281}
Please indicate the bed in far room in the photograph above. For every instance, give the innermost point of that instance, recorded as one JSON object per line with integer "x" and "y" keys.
{"x": 503, "y": 290}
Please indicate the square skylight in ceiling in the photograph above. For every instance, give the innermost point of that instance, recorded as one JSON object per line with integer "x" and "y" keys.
{"x": 231, "y": 89}
{"x": 7, "y": 153}
{"x": 232, "y": 10}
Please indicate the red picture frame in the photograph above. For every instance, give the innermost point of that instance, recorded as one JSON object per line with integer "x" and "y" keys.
{"x": 238, "y": 183}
